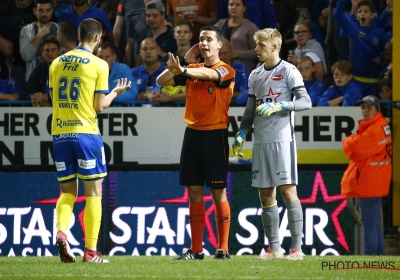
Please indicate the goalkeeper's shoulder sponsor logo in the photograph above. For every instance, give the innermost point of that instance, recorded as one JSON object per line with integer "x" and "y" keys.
{"x": 60, "y": 123}
{"x": 87, "y": 164}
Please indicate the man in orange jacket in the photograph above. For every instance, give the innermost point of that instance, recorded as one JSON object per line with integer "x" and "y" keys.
{"x": 369, "y": 173}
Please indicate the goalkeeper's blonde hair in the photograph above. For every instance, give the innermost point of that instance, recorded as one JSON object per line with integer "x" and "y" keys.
{"x": 269, "y": 35}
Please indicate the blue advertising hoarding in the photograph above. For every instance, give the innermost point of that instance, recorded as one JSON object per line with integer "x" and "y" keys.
{"x": 146, "y": 213}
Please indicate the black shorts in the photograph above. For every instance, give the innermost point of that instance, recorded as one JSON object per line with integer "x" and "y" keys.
{"x": 204, "y": 158}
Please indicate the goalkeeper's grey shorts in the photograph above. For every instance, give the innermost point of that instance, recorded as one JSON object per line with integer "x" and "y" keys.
{"x": 274, "y": 164}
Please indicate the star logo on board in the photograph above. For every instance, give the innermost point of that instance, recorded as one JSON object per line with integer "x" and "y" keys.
{"x": 184, "y": 199}
{"x": 273, "y": 95}
{"x": 319, "y": 185}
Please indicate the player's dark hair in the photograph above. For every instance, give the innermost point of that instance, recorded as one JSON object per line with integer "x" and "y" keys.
{"x": 88, "y": 29}
{"x": 68, "y": 30}
{"x": 218, "y": 32}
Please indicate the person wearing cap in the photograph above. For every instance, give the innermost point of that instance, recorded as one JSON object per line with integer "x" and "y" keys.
{"x": 369, "y": 173}
{"x": 163, "y": 34}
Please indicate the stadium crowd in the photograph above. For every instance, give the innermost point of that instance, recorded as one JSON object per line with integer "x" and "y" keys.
{"x": 343, "y": 48}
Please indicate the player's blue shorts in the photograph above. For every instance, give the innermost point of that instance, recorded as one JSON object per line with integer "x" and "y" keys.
{"x": 79, "y": 155}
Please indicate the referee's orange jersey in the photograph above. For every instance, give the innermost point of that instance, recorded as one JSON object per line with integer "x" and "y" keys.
{"x": 207, "y": 102}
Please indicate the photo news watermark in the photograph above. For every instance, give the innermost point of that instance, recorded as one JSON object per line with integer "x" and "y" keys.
{"x": 343, "y": 265}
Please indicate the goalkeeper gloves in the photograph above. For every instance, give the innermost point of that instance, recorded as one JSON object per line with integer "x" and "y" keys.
{"x": 270, "y": 108}
{"x": 238, "y": 143}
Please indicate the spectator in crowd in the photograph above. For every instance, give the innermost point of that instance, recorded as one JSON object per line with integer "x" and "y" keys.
{"x": 108, "y": 6}
{"x": 31, "y": 35}
{"x": 369, "y": 173}
{"x": 306, "y": 46}
{"x": 386, "y": 18}
{"x": 15, "y": 17}
{"x": 79, "y": 149}
{"x": 163, "y": 34}
{"x": 204, "y": 156}
{"x": 344, "y": 91}
{"x": 127, "y": 9}
{"x": 67, "y": 35}
{"x": 6, "y": 49}
{"x": 314, "y": 87}
{"x": 260, "y": 12}
{"x": 136, "y": 28}
{"x": 146, "y": 74}
{"x": 385, "y": 93}
{"x": 117, "y": 71}
{"x": 386, "y": 22}
{"x": 387, "y": 62}
{"x": 60, "y": 5}
{"x": 38, "y": 83}
{"x": 318, "y": 27}
{"x": 199, "y": 13}
{"x": 173, "y": 93}
{"x": 80, "y": 10}
{"x": 384, "y": 89}
{"x": 365, "y": 49}
{"x": 337, "y": 47}
{"x": 239, "y": 31}
{"x": 182, "y": 34}
{"x": 8, "y": 89}
{"x": 241, "y": 77}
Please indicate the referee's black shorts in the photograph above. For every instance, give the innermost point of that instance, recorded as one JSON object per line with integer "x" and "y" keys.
{"x": 204, "y": 158}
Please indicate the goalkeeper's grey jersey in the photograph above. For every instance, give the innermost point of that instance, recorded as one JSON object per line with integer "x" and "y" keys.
{"x": 276, "y": 85}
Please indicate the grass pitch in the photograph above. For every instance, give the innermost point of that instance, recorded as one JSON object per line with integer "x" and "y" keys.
{"x": 239, "y": 267}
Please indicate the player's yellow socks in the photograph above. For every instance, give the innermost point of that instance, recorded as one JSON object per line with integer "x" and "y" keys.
{"x": 197, "y": 221}
{"x": 92, "y": 220}
{"x": 223, "y": 220}
{"x": 64, "y": 208}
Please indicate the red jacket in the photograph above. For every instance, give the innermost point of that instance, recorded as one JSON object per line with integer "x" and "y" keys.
{"x": 370, "y": 151}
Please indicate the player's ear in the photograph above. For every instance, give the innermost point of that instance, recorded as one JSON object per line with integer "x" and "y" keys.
{"x": 96, "y": 38}
{"x": 220, "y": 43}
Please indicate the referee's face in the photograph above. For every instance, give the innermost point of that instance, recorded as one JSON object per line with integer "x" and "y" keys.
{"x": 208, "y": 44}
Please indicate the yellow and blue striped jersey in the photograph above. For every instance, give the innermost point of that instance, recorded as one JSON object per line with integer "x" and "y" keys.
{"x": 75, "y": 77}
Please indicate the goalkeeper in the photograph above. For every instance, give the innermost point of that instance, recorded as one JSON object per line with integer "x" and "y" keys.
{"x": 276, "y": 90}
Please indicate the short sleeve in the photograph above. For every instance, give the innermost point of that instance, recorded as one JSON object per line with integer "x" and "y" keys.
{"x": 226, "y": 72}
{"x": 102, "y": 81}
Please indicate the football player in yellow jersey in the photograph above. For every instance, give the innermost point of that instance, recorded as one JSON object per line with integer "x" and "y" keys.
{"x": 79, "y": 87}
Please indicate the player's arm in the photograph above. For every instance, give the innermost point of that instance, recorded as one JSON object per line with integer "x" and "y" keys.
{"x": 102, "y": 101}
{"x": 303, "y": 100}
{"x": 245, "y": 126}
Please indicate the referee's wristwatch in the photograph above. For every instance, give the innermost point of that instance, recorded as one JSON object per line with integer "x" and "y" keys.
{"x": 184, "y": 70}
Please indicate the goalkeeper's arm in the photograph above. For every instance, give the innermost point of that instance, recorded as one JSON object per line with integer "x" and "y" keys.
{"x": 249, "y": 113}
{"x": 245, "y": 126}
{"x": 302, "y": 101}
